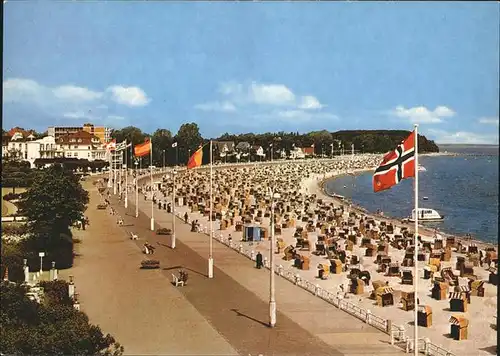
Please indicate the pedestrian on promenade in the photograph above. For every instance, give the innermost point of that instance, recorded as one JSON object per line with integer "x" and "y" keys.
{"x": 186, "y": 216}
{"x": 258, "y": 260}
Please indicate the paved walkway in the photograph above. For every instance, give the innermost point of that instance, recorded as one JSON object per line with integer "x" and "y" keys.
{"x": 236, "y": 300}
{"x": 138, "y": 307}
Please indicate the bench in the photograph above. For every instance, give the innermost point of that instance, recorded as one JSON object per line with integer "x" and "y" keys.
{"x": 176, "y": 281}
{"x": 133, "y": 236}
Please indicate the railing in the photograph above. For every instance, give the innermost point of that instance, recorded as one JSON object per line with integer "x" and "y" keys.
{"x": 426, "y": 347}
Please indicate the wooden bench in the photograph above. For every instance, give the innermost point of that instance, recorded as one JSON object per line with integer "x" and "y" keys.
{"x": 133, "y": 236}
{"x": 176, "y": 281}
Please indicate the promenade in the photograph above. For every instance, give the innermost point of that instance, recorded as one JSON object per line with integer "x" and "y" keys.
{"x": 227, "y": 315}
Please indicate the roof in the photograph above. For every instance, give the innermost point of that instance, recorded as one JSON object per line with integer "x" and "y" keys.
{"x": 25, "y": 133}
{"x": 459, "y": 320}
{"x": 80, "y": 137}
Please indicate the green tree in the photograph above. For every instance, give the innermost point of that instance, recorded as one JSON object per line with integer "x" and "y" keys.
{"x": 162, "y": 142}
{"x": 54, "y": 202}
{"x": 129, "y": 133}
{"x": 189, "y": 139}
{"x": 51, "y": 328}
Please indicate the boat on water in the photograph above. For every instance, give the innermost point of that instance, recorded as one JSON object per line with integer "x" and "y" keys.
{"x": 425, "y": 214}
{"x": 421, "y": 168}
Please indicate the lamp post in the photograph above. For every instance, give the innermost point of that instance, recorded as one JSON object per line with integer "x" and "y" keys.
{"x": 42, "y": 255}
{"x": 272, "y": 298}
{"x": 136, "y": 190}
{"x": 126, "y": 178}
{"x": 174, "y": 172}
{"x": 163, "y": 161}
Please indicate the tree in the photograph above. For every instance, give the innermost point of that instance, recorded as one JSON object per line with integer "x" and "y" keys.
{"x": 51, "y": 328}
{"x": 189, "y": 139}
{"x": 54, "y": 202}
{"x": 129, "y": 133}
{"x": 162, "y": 141}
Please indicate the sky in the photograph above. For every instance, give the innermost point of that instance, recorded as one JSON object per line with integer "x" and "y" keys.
{"x": 255, "y": 67}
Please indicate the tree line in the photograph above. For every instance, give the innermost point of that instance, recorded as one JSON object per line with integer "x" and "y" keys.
{"x": 326, "y": 143}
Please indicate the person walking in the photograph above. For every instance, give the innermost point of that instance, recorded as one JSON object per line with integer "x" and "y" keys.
{"x": 258, "y": 260}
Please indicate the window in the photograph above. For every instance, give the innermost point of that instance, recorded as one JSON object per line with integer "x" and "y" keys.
{"x": 88, "y": 154}
{"x": 75, "y": 146}
{"x": 76, "y": 154}
{"x": 72, "y": 140}
{"x": 79, "y": 140}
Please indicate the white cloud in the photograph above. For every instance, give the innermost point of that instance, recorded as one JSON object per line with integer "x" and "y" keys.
{"x": 489, "y": 121}
{"x": 420, "y": 114}
{"x": 225, "y": 106}
{"x": 73, "y": 93}
{"x": 29, "y": 91}
{"x": 273, "y": 94}
{"x": 462, "y": 137}
{"x": 310, "y": 102}
{"x": 130, "y": 96}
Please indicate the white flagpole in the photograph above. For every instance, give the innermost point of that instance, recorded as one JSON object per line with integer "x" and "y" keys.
{"x": 174, "y": 172}
{"x": 136, "y": 189}
{"x": 210, "y": 256}
{"x": 415, "y": 256}
{"x": 114, "y": 172}
{"x": 110, "y": 175}
{"x": 126, "y": 176}
{"x": 152, "y": 185}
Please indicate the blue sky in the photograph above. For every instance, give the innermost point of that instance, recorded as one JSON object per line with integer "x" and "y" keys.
{"x": 255, "y": 67}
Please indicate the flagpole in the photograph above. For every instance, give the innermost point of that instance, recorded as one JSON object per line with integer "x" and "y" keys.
{"x": 126, "y": 176}
{"x": 136, "y": 189}
{"x": 152, "y": 185}
{"x": 114, "y": 172}
{"x": 415, "y": 256}
{"x": 174, "y": 172}
{"x": 210, "y": 257}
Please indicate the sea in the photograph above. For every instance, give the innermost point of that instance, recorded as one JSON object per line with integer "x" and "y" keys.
{"x": 462, "y": 187}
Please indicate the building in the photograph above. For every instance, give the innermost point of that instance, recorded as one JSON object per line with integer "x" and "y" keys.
{"x": 29, "y": 149}
{"x": 103, "y": 133}
{"x": 82, "y": 145}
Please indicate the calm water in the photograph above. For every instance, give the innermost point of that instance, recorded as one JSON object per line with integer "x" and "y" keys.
{"x": 464, "y": 188}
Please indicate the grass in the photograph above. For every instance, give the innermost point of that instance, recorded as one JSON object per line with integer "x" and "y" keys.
{"x": 8, "y": 207}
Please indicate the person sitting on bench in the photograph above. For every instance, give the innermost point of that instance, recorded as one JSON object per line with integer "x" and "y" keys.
{"x": 183, "y": 276}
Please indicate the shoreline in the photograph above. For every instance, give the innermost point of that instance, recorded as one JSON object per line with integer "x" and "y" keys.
{"x": 425, "y": 231}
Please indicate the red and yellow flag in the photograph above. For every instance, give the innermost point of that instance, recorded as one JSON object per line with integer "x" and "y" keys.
{"x": 195, "y": 159}
{"x": 143, "y": 149}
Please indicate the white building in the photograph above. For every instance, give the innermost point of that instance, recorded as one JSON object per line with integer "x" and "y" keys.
{"x": 82, "y": 145}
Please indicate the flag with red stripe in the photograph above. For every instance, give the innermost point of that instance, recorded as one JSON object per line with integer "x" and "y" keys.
{"x": 396, "y": 165}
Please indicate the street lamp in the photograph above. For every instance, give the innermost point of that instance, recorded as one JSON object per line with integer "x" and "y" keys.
{"x": 163, "y": 160}
{"x": 42, "y": 255}
{"x": 174, "y": 173}
{"x": 272, "y": 298}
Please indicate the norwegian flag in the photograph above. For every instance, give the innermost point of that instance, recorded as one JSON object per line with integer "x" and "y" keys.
{"x": 396, "y": 165}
